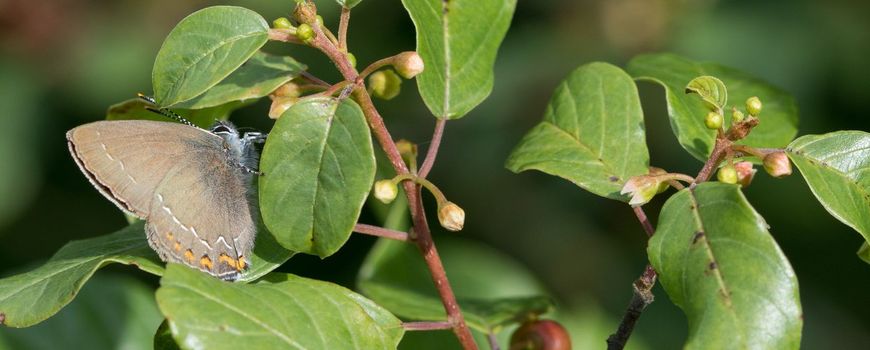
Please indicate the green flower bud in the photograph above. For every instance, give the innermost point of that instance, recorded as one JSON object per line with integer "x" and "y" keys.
{"x": 352, "y": 59}
{"x": 736, "y": 116}
{"x": 642, "y": 189}
{"x": 753, "y": 106}
{"x": 408, "y": 64}
{"x": 727, "y": 174}
{"x": 777, "y": 164}
{"x": 713, "y": 120}
{"x": 282, "y": 23}
{"x": 305, "y": 33}
{"x": 280, "y": 105}
{"x": 451, "y": 216}
{"x": 319, "y": 21}
{"x": 385, "y": 84}
{"x": 386, "y": 191}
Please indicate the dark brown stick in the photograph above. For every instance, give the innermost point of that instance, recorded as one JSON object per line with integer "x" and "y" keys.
{"x": 641, "y": 298}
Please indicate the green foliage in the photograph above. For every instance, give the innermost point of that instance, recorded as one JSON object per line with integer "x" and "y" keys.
{"x": 778, "y": 122}
{"x": 110, "y": 312}
{"x": 259, "y": 76}
{"x": 319, "y": 166}
{"x": 203, "y": 49}
{"x": 836, "y": 167}
{"x": 458, "y": 41}
{"x": 492, "y": 291}
{"x": 134, "y": 109}
{"x": 592, "y": 133}
{"x": 718, "y": 263}
{"x": 711, "y": 89}
{"x": 283, "y": 311}
{"x": 29, "y": 298}
{"x": 349, "y": 4}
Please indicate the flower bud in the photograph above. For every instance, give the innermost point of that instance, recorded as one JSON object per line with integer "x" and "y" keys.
{"x": 727, "y": 174}
{"x": 289, "y": 89}
{"x": 280, "y": 105}
{"x": 713, "y": 120}
{"x": 406, "y": 147}
{"x": 385, "y": 84}
{"x": 451, "y": 216}
{"x": 745, "y": 173}
{"x": 641, "y": 189}
{"x": 282, "y": 23}
{"x": 736, "y": 116}
{"x": 352, "y": 59}
{"x": 386, "y": 191}
{"x": 663, "y": 185}
{"x": 541, "y": 335}
{"x": 305, "y": 33}
{"x": 408, "y": 64}
{"x": 319, "y": 21}
{"x": 777, "y": 164}
{"x": 305, "y": 12}
{"x": 753, "y": 106}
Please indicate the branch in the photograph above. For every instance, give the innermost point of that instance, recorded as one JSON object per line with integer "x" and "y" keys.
{"x": 640, "y": 299}
{"x": 642, "y": 296}
{"x": 412, "y": 191}
{"x": 432, "y": 152}
{"x": 380, "y": 232}
{"x": 342, "y": 28}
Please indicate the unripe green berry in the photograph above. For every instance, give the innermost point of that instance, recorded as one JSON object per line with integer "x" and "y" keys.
{"x": 753, "y": 106}
{"x": 727, "y": 174}
{"x": 352, "y": 59}
{"x": 282, "y": 23}
{"x": 713, "y": 120}
{"x": 736, "y": 116}
{"x": 305, "y": 33}
{"x": 385, "y": 84}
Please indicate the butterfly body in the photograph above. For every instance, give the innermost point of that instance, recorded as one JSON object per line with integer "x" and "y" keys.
{"x": 192, "y": 186}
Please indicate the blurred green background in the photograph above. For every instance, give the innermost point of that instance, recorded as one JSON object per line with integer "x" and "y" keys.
{"x": 63, "y": 62}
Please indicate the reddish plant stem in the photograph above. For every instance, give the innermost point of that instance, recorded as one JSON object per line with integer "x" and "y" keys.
{"x": 342, "y": 28}
{"x": 644, "y": 221}
{"x": 426, "y": 326}
{"x": 423, "y": 237}
{"x": 432, "y": 152}
{"x": 719, "y": 149}
{"x": 380, "y": 232}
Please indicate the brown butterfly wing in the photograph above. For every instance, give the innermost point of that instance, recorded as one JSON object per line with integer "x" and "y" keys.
{"x": 214, "y": 234}
{"x": 125, "y": 160}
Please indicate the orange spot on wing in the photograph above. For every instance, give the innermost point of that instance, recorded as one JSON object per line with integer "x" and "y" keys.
{"x": 188, "y": 254}
{"x": 205, "y": 262}
{"x": 170, "y": 236}
{"x": 177, "y": 246}
{"x": 242, "y": 264}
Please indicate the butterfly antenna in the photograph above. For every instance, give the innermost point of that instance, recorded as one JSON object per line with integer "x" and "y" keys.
{"x": 166, "y": 112}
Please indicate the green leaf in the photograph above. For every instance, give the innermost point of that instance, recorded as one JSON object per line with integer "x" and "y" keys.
{"x": 111, "y": 312}
{"x": 268, "y": 255}
{"x": 492, "y": 290}
{"x": 29, "y": 298}
{"x": 258, "y": 77}
{"x": 711, "y": 89}
{"x": 778, "y": 120}
{"x": 836, "y": 166}
{"x": 719, "y": 264}
{"x": 458, "y": 41}
{"x": 592, "y": 133}
{"x": 285, "y": 312}
{"x": 864, "y": 252}
{"x": 349, "y": 4}
{"x": 203, "y": 49}
{"x": 163, "y": 338}
{"x": 135, "y": 109}
{"x": 319, "y": 166}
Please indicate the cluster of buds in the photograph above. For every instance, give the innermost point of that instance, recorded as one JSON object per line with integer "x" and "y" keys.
{"x": 450, "y": 215}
